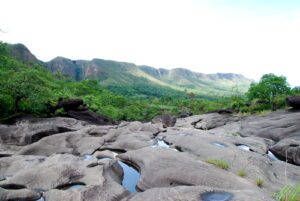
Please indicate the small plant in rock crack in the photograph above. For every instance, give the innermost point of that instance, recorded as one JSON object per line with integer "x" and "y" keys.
{"x": 259, "y": 182}
{"x": 289, "y": 193}
{"x": 220, "y": 163}
{"x": 235, "y": 134}
{"x": 242, "y": 173}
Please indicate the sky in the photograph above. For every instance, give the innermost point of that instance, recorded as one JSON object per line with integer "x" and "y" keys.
{"x": 249, "y": 37}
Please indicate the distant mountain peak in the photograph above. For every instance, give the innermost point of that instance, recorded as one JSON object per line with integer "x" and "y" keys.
{"x": 21, "y": 52}
{"x": 130, "y": 79}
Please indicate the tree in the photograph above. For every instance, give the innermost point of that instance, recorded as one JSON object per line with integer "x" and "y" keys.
{"x": 269, "y": 87}
{"x": 25, "y": 85}
{"x": 296, "y": 90}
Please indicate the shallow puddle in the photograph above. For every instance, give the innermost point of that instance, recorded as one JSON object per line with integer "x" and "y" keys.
{"x": 271, "y": 155}
{"x": 104, "y": 159}
{"x": 86, "y": 157}
{"x": 130, "y": 178}
{"x": 217, "y": 196}
{"x": 41, "y": 199}
{"x": 244, "y": 147}
{"x": 185, "y": 134}
{"x": 75, "y": 187}
{"x": 219, "y": 144}
{"x": 160, "y": 143}
{"x": 72, "y": 186}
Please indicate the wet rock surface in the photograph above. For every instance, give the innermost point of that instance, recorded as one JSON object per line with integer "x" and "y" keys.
{"x": 72, "y": 160}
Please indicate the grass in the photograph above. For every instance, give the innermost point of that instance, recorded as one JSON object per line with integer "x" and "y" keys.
{"x": 235, "y": 134}
{"x": 220, "y": 163}
{"x": 241, "y": 173}
{"x": 289, "y": 193}
{"x": 259, "y": 182}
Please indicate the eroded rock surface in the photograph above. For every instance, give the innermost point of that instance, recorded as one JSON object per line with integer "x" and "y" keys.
{"x": 71, "y": 160}
{"x": 32, "y": 130}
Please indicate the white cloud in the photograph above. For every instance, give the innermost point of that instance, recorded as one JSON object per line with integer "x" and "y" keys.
{"x": 159, "y": 33}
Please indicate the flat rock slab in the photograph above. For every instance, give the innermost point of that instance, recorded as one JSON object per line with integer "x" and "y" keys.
{"x": 51, "y": 172}
{"x": 77, "y": 143}
{"x": 19, "y": 195}
{"x": 255, "y": 162}
{"x": 32, "y": 130}
{"x": 48, "y": 156}
{"x": 195, "y": 193}
{"x": 162, "y": 167}
{"x": 278, "y": 126}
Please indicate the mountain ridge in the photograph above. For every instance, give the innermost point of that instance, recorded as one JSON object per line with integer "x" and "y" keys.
{"x": 131, "y": 79}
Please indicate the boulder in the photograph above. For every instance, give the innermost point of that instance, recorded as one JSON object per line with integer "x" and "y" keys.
{"x": 224, "y": 111}
{"x": 293, "y": 101}
{"x": 90, "y": 117}
{"x": 75, "y": 108}
{"x": 69, "y": 104}
{"x": 166, "y": 120}
{"x": 287, "y": 150}
{"x": 214, "y": 120}
{"x": 184, "y": 115}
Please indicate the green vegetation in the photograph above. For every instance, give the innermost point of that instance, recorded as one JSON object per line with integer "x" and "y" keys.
{"x": 220, "y": 163}
{"x": 270, "y": 90}
{"x": 28, "y": 87}
{"x": 241, "y": 173}
{"x": 289, "y": 193}
{"x": 259, "y": 182}
{"x": 235, "y": 134}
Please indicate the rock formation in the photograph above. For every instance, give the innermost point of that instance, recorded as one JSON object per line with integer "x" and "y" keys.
{"x": 77, "y": 109}
{"x": 67, "y": 159}
{"x": 293, "y": 101}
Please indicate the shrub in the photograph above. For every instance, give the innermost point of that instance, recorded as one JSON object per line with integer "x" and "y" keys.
{"x": 220, "y": 163}
{"x": 289, "y": 193}
{"x": 241, "y": 173}
{"x": 259, "y": 182}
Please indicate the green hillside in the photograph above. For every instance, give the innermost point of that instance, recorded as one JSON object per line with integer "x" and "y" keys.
{"x": 142, "y": 81}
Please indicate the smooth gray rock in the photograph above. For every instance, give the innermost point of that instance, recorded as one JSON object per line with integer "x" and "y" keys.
{"x": 193, "y": 193}
{"x": 77, "y": 143}
{"x": 110, "y": 189}
{"x": 287, "y": 150}
{"x": 162, "y": 167}
{"x": 255, "y": 162}
{"x": 177, "y": 171}
{"x": 277, "y": 126}
{"x": 18, "y": 195}
{"x": 213, "y": 121}
{"x": 166, "y": 120}
{"x": 54, "y": 172}
{"x": 32, "y": 130}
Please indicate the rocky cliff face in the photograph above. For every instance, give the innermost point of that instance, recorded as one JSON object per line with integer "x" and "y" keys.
{"x": 66, "y": 67}
{"x": 21, "y": 52}
{"x": 112, "y": 74}
{"x": 67, "y": 159}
